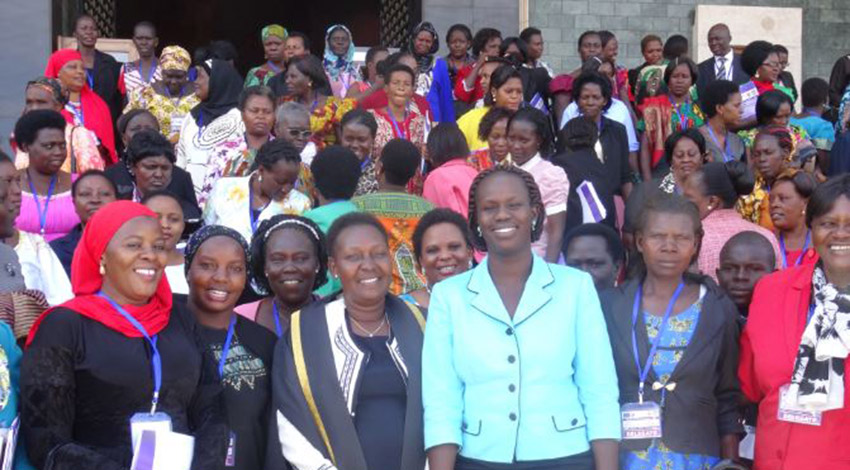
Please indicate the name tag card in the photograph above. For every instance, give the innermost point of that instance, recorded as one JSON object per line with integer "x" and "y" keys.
{"x": 790, "y": 412}
{"x": 641, "y": 420}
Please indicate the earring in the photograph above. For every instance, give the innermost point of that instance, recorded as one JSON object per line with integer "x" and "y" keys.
{"x": 479, "y": 231}
{"x": 709, "y": 207}
{"x": 534, "y": 225}
{"x": 102, "y": 269}
{"x": 259, "y": 178}
{"x": 470, "y": 265}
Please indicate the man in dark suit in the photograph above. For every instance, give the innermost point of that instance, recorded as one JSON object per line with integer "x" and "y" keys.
{"x": 724, "y": 63}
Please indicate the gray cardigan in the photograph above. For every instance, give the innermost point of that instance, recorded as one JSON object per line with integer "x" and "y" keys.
{"x": 704, "y": 405}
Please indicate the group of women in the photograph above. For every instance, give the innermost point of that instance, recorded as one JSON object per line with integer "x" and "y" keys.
{"x": 176, "y": 261}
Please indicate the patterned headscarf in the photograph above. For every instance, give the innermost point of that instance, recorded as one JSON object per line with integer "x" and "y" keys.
{"x": 335, "y": 65}
{"x": 274, "y": 30}
{"x": 52, "y": 86}
{"x": 209, "y": 231}
{"x": 175, "y": 58}
{"x": 425, "y": 61}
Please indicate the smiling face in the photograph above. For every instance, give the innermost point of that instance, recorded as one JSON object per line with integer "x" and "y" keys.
{"x": 357, "y": 138}
{"x": 681, "y": 81}
{"x": 831, "y": 238}
{"x": 444, "y": 252}
{"x": 72, "y": 76}
{"x": 787, "y": 206}
{"x": 92, "y": 193}
{"x": 458, "y": 45}
{"x": 273, "y": 47}
{"x": 12, "y": 179}
{"x": 170, "y": 218}
{"x": 360, "y": 258}
{"x": 686, "y": 159}
{"x": 153, "y": 173}
{"x": 258, "y": 116}
{"x": 217, "y": 276}
{"x": 741, "y": 266}
{"x": 497, "y": 141}
{"x": 719, "y": 41}
{"x": 668, "y": 244}
{"x": 86, "y": 32}
{"x": 505, "y": 214}
{"x": 38, "y": 97}
{"x": 768, "y": 156}
{"x": 339, "y": 42}
{"x": 145, "y": 40}
{"x": 48, "y": 151}
{"x": 291, "y": 266}
{"x": 134, "y": 261}
{"x": 423, "y": 42}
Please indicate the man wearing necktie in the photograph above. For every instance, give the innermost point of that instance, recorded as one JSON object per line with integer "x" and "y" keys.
{"x": 724, "y": 63}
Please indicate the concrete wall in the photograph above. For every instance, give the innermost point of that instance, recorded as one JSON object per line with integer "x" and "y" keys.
{"x": 25, "y": 38}
{"x": 500, "y": 14}
{"x": 825, "y": 25}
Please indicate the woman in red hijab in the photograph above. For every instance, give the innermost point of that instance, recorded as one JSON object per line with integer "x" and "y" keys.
{"x": 84, "y": 107}
{"x": 118, "y": 351}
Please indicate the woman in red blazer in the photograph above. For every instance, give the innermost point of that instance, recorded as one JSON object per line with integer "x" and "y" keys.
{"x": 793, "y": 337}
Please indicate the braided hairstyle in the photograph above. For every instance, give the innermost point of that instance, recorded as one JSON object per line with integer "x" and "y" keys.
{"x": 286, "y": 222}
{"x": 781, "y": 134}
{"x": 535, "y": 200}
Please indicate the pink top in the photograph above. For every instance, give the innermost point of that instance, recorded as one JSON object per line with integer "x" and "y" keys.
{"x": 721, "y": 225}
{"x": 554, "y": 188}
{"x": 448, "y": 186}
{"x": 249, "y": 311}
{"x": 61, "y": 215}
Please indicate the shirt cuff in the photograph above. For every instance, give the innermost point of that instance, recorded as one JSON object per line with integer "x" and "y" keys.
{"x": 556, "y": 209}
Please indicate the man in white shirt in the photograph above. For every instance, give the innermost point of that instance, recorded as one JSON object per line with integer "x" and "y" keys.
{"x": 724, "y": 63}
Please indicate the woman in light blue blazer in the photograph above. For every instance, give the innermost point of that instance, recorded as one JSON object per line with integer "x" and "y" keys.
{"x": 517, "y": 370}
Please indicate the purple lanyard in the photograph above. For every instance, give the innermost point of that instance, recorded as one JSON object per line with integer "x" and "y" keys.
{"x": 273, "y": 67}
{"x": 399, "y": 132}
{"x": 90, "y": 77}
{"x": 151, "y": 71}
{"x": 276, "y": 315}
{"x": 727, "y": 152}
{"x": 78, "y": 113}
{"x": 226, "y": 347}
{"x": 42, "y": 216}
{"x": 643, "y": 372}
{"x": 802, "y": 253}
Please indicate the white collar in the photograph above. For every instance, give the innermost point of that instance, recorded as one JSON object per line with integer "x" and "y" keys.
{"x": 730, "y": 56}
{"x": 527, "y": 166}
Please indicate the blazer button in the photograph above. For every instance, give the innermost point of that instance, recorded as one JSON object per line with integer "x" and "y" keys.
{"x": 511, "y": 359}
{"x": 512, "y": 388}
{"x": 574, "y": 422}
{"x": 463, "y": 426}
{"x": 512, "y": 416}
{"x": 509, "y": 331}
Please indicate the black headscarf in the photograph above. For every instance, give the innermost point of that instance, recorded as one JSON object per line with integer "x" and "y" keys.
{"x": 205, "y": 233}
{"x": 225, "y": 87}
{"x": 426, "y": 61}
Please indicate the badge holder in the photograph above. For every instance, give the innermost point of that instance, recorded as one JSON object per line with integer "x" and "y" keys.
{"x": 790, "y": 412}
{"x": 641, "y": 420}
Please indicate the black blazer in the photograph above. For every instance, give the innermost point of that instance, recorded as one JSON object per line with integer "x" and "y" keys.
{"x": 106, "y": 72}
{"x": 704, "y": 405}
{"x": 706, "y": 73}
{"x": 181, "y": 186}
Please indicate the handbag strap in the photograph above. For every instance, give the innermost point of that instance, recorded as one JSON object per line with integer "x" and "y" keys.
{"x": 304, "y": 380}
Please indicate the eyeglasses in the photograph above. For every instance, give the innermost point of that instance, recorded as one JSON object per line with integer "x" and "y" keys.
{"x": 304, "y": 134}
{"x": 773, "y": 65}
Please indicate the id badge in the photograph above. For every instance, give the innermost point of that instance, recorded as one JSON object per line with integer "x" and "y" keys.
{"x": 641, "y": 420}
{"x": 176, "y": 123}
{"x": 230, "y": 459}
{"x": 158, "y": 423}
{"x": 790, "y": 412}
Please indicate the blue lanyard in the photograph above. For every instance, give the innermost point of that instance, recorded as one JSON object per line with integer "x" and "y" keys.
{"x": 151, "y": 71}
{"x": 398, "y": 130}
{"x": 365, "y": 162}
{"x": 78, "y": 113}
{"x": 727, "y": 152}
{"x": 276, "y": 315}
{"x": 156, "y": 359}
{"x": 802, "y": 253}
{"x": 643, "y": 373}
{"x": 90, "y": 77}
{"x": 254, "y": 220}
{"x": 42, "y": 216}
{"x": 273, "y": 67}
{"x": 226, "y": 348}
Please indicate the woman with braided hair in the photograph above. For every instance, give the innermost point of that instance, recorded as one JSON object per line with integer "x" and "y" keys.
{"x": 482, "y": 347}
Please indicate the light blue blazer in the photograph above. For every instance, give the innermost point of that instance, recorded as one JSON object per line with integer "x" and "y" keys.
{"x": 540, "y": 385}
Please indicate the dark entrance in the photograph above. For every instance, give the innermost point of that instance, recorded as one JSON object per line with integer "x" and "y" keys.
{"x": 193, "y": 23}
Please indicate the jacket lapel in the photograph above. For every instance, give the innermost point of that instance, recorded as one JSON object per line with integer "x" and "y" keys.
{"x": 623, "y": 324}
{"x": 534, "y": 296}
{"x": 709, "y": 325}
{"x": 798, "y": 300}
{"x": 487, "y": 301}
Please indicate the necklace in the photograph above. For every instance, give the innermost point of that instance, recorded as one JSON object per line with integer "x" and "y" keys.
{"x": 372, "y": 333}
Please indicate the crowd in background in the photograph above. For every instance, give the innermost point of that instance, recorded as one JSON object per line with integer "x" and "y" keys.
{"x": 468, "y": 261}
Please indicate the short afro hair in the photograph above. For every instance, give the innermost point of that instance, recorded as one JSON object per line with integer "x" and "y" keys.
{"x": 815, "y": 92}
{"x": 399, "y": 161}
{"x": 754, "y": 55}
{"x": 31, "y": 123}
{"x": 149, "y": 143}
{"x": 353, "y": 219}
{"x": 717, "y": 93}
{"x": 489, "y": 121}
{"x": 434, "y": 217}
{"x": 336, "y": 171}
{"x": 274, "y": 151}
{"x": 613, "y": 244}
{"x": 593, "y": 78}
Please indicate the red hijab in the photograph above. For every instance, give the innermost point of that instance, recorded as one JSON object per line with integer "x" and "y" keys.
{"x": 98, "y": 119}
{"x": 86, "y": 279}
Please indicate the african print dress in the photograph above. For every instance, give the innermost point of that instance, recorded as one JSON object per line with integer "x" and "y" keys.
{"x": 662, "y": 117}
{"x": 414, "y": 128}
{"x": 169, "y": 112}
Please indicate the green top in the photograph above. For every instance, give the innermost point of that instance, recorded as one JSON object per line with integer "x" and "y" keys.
{"x": 324, "y": 216}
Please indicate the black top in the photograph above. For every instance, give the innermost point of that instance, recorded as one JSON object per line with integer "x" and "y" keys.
{"x": 105, "y": 73}
{"x": 380, "y": 405}
{"x": 180, "y": 185}
{"x": 278, "y": 85}
{"x": 788, "y": 80}
{"x": 247, "y": 387}
{"x": 81, "y": 382}
{"x": 580, "y": 166}
{"x": 64, "y": 247}
{"x": 704, "y": 405}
